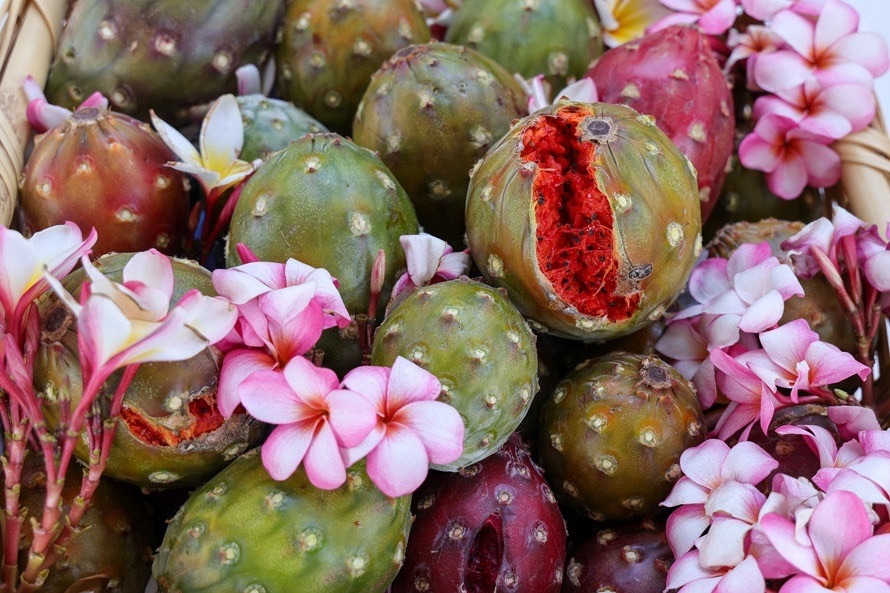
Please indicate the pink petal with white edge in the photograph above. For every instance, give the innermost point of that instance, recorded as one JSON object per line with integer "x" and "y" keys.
{"x": 686, "y": 569}
{"x": 691, "y": 6}
{"x": 454, "y": 265}
{"x": 797, "y": 31}
{"x": 788, "y": 344}
{"x": 248, "y": 281}
{"x": 399, "y": 464}
{"x": 877, "y": 271}
{"x": 719, "y": 18}
{"x": 352, "y": 417}
{"x": 681, "y": 341}
{"x": 736, "y": 417}
{"x": 747, "y": 463}
{"x": 875, "y": 440}
{"x": 782, "y": 279}
{"x": 764, "y": 9}
{"x": 830, "y": 543}
{"x": 222, "y": 134}
{"x": 211, "y": 317}
{"x": 866, "y": 49}
{"x": 323, "y": 463}
{"x": 709, "y": 279}
{"x": 749, "y": 255}
{"x": 353, "y": 454}
{"x": 850, "y": 420}
{"x": 722, "y": 330}
{"x": 867, "y": 559}
{"x": 684, "y": 526}
{"x": 583, "y": 91}
{"x": 744, "y": 578}
{"x": 422, "y": 255}
{"x": 310, "y": 382}
{"x": 759, "y": 154}
{"x": 836, "y": 21}
{"x": 686, "y": 492}
{"x": 789, "y": 178}
{"x": 294, "y": 335}
{"x": 702, "y": 464}
{"x": 829, "y": 365}
{"x": 848, "y": 480}
{"x": 780, "y": 532}
{"x": 153, "y": 268}
{"x": 820, "y": 441}
{"x": 236, "y": 367}
{"x": 822, "y": 163}
{"x": 438, "y": 426}
{"x": 371, "y": 382}
{"x": 737, "y": 500}
{"x": 176, "y": 141}
{"x": 60, "y": 246}
{"x": 780, "y": 70}
{"x": 724, "y": 544}
{"x": 267, "y": 397}
{"x": 409, "y": 383}
{"x": 285, "y": 448}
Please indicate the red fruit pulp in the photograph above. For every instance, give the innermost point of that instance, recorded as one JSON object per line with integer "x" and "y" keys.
{"x": 203, "y": 415}
{"x": 575, "y": 237}
{"x": 486, "y": 556}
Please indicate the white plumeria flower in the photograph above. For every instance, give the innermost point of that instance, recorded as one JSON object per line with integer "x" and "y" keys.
{"x": 217, "y": 166}
{"x": 538, "y": 92}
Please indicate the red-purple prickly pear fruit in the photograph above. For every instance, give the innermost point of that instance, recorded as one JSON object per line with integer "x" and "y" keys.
{"x": 673, "y": 76}
{"x": 106, "y": 170}
{"x": 494, "y": 526}
{"x": 624, "y": 559}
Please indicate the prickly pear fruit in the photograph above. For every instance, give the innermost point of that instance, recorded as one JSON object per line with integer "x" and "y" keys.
{"x": 612, "y": 434}
{"x": 164, "y": 55}
{"x": 170, "y": 433}
{"x": 243, "y": 531}
{"x": 431, "y": 112}
{"x": 106, "y": 170}
{"x": 495, "y": 526}
{"x": 271, "y": 124}
{"x": 331, "y": 48}
{"x": 588, "y": 215}
{"x": 112, "y": 548}
{"x": 623, "y": 559}
{"x": 674, "y": 76}
{"x": 330, "y": 204}
{"x": 472, "y": 338}
{"x": 522, "y": 36}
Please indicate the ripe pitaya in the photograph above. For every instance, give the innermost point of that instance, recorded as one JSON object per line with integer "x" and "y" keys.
{"x": 674, "y": 76}
{"x": 495, "y": 526}
{"x": 331, "y": 48}
{"x": 106, "y": 170}
{"x": 244, "y": 532}
{"x": 431, "y": 112}
{"x": 612, "y": 434}
{"x": 588, "y": 215}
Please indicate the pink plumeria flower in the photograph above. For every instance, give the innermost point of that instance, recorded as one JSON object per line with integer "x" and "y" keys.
{"x": 824, "y": 235}
{"x": 55, "y": 250}
{"x": 688, "y": 350}
{"x": 315, "y": 420}
{"x": 834, "y": 112}
{"x": 717, "y": 481}
{"x": 851, "y": 420}
{"x": 412, "y": 429}
{"x": 131, "y": 322}
{"x": 216, "y": 166}
{"x": 687, "y": 575}
{"x": 791, "y": 157}
{"x": 750, "y": 398}
{"x": 282, "y": 311}
{"x": 713, "y": 17}
{"x": 764, "y": 10}
{"x": 747, "y": 46}
{"x": 43, "y": 115}
{"x": 839, "y": 554}
{"x": 830, "y": 49}
{"x": 429, "y": 260}
{"x": 793, "y": 357}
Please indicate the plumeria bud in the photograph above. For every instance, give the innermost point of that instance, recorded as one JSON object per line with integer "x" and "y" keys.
{"x": 245, "y": 254}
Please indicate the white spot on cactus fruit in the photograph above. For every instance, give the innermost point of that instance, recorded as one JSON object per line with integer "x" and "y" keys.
{"x": 558, "y": 63}
{"x": 439, "y": 189}
{"x": 317, "y": 60}
{"x": 162, "y": 241}
{"x": 162, "y": 182}
{"x": 698, "y": 246}
{"x": 421, "y": 583}
{"x": 254, "y": 588}
{"x": 674, "y": 234}
{"x": 173, "y": 403}
{"x": 657, "y": 313}
{"x": 606, "y": 536}
{"x": 484, "y": 77}
{"x": 393, "y": 142}
{"x": 399, "y": 556}
{"x": 680, "y": 74}
{"x": 107, "y": 30}
{"x": 261, "y": 206}
{"x": 222, "y": 61}
{"x": 485, "y": 196}
{"x": 586, "y": 325}
{"x": 540, "y": 533}
{"x": 333, "y": 99}
{"x": 162, "y": 477}
{"x": 623, "y": 203}
{"x": 556, "y": 442}
{"x": 310, "y": 539}
{"x": 276, "y": 499}
{"x": 606, "y": 464}
{"x": 120, "y": 96}
{"x": 218, "y": 490}
{"x": 418, "y": 355}
{"x": 697, "y": 132}
{"x": 598, "y": 422}
{"x": 652, "y": 148}
{"x": 456, "y": 531}
{"x": 570, "y": 488}
{"x": 164, "y": 43}
{"x": 630, "y": 91}
{"x": 477, "y": 34}
{"x": 361, "y": 48}
{"x": 426, "y": 501}
{"x": 470, "y": 470}
{"x": 405, "y": 30}
{"x": 355, "y": 481}
{"x": 525, "y": 394}
{"x": 425, "y": 98}
{"x": 646, "y": 119}
{"x": 559, "y": 394}
{"x": 573, "y": 571}
{"x": 510, "y": 579}
{"x": 504, "y": 494}
{"x": 45, "y": 188}
{"x": 648, "y": 437}
{"x": 302, "y": 22}
{"x": 531, "y": 4}
{"x": 229, "y": 553}
{"x": 634, "y": 503}
{"x": 495, "y": 266}
{"x": 357, "y": 565}
{"x": 693, "y": 428}
{"x": 359, "y": 224}
{"x": 313, "y": 164}
{"x": 673, "y": 473}
{"x": 479, "y": 137}
{"x": 197, "y": 530}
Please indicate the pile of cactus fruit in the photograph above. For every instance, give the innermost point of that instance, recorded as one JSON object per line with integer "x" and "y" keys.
{"x": 457, "y": 296}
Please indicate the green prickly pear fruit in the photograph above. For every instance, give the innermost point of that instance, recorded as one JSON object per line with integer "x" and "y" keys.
{"x": 588, "y": 215}
{"x": 170, "y": 433}
{"x": 431, "y": 112}
{"x": 245, "y": 532}
{"x": 472, "y": 338}
{"x": 165, "y": 55}
{"x": 612, "y": 434}
{"x": 330, "y": 204}
{"x": 331, "y": 48}
{"x": 556, "y": 38}
{"x": 106, "y": 170}
{"x": 271, "y": 124}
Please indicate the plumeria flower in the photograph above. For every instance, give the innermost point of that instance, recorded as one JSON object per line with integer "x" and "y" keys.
{"x": 839, "y": 553}
{"x": 688, "y": 349}
{"x": 824, "y": 235}
{"x": 717, "y": 481}
{"x": 713, "y": 17}
{"x": 756, "y": 40}
{"x": 763, "y": 10}
{"x": 793, "y": 357}
{"x": 44, "y": 116}
{"x": 833, "y": 112}
{"x": 282, "y": 311}
{"x": 127, "y": 323}
{"x": 626, "y": 20}
{"x": 851, "y": 420}
{"x": 791, "y": 157}
{"x": 315, "y": 420}
{"x": 829, "y": 48}
{"x": 687, "y": 575}
{"x": 429, "y": 260}
{"x": 216, "y": 166}
{"x": 412, "y": 430}
{"x": 538, "y": 92}
{"x": 55, "y": 250}
{"x": 750, "y": 398}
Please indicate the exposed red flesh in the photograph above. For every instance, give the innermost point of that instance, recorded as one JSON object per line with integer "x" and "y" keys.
{"x": 486, "y": 557}
{"x": 202, "y": 413}
{"x": 575, "y": 243}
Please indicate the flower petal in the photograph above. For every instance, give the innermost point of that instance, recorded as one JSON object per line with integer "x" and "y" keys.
{"x": 352, "y": 417}
{"x": 831, "y": 544}
{"x": 744, "y": 578}
{"x": 222, "y": 134}
{"x": 399, "y": 463}
{"x": 371, "y": 382}
{"x": 747, "y": 463}
{"x": 684, "y": 526}
{"x": 779, "y": 70}
{"x": 285, "y": 448}
{"x": 438, "y": 426}
{"x": 409, "y": 383}
{"x": 236, "y": 367}
{"x": 323, "y": 463}
{"x": 780, "y": 533}
{"x": 867, "y": 559}
{"x": 268, "y": 397}
{"x": 176, "y": 141}
{"x": 247, "y": 281}
{"x": 310, "y": 382}
{"x": 702, "y": 464}
{"x": 724, "y": 544}
{"x": 877, "y": 271}
{"x": 422, "y": 255}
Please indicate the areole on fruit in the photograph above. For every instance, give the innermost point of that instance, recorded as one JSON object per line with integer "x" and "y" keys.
{"x": 588, "y": 215}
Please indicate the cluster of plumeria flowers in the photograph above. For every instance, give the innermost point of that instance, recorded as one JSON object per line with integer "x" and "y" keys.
{"x": 815, "y": 71}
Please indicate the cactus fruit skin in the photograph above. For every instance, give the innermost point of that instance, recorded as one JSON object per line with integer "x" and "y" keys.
{"x": 331, "y": 204}
{"x": 170, "y": 434}
{"x": 588, "y": 215}
{"x": 622, "y": 559}
{"x": 271, "y": 124}
{"x": 165, "y": 55}
{"x": 674, "y": 76}
{"x": 521, "y": 36}
{"x": 472, "y": 338}
{"x": 106, "y": 170}
{"x": 495, "y": 526}
{"x": 113, "y": 545}
{"x": 431, "y": 112}
{"x": 331, "y": 48}
{"x": 243, "y": 531}
{"x": 612, "y": 434}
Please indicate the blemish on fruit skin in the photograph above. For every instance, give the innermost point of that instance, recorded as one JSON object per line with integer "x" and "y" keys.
{"x": 674, "y": 234}
{"x": 573, "y": 571}
{"x": 310, "y": 539}
{"x": 606, "y": 536}
{"x": 495, "y": 266}
{"x": 229, "y": 553}
{"x": 607, "y": 464}
{"x": 162, "y": 477}
{"x": 261, "y": 206}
